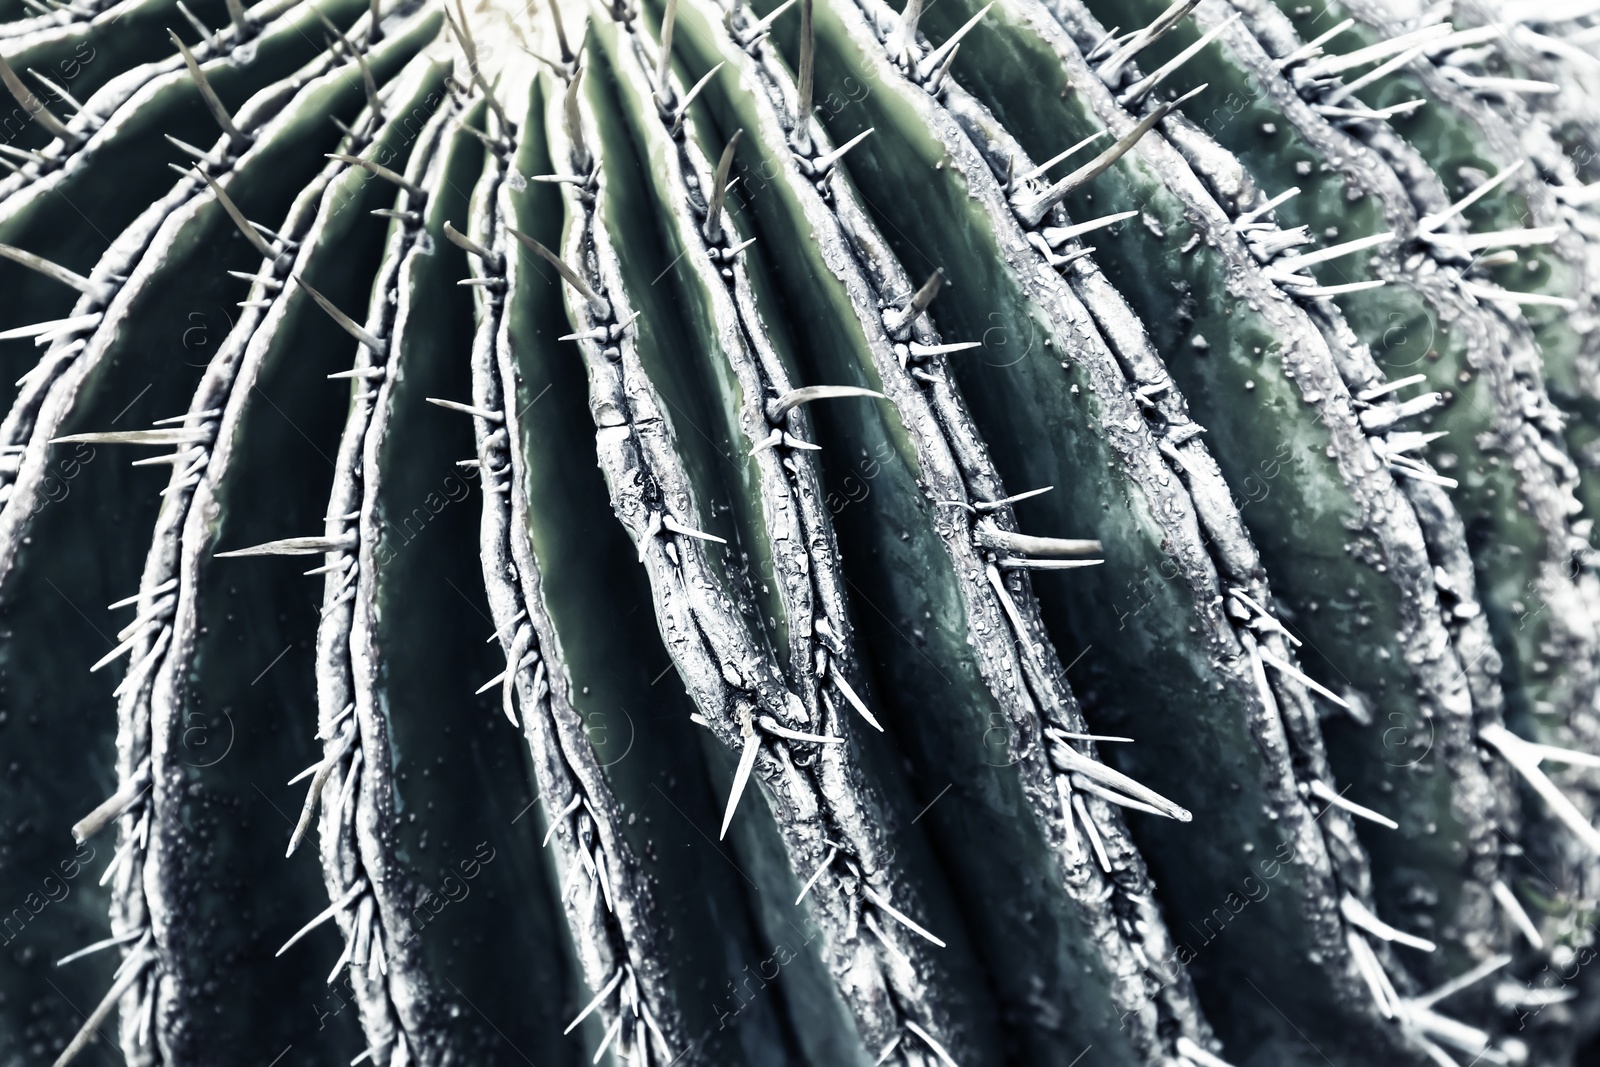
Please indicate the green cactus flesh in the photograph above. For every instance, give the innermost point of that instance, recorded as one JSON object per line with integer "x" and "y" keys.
{"x": 1044, "y": 532}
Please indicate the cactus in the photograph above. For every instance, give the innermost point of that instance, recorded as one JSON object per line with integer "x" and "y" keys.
{"x": 1043, "y": 531}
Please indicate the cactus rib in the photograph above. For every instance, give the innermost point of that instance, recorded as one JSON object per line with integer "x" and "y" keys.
{"x": 615, "y": 932}
{"x": 821, "y": 803}
{"x": 1005, "y": 161}
{"x": 163, "y": 638}
{"x": 950, "y": 446}
{"x": 399, "y": 1002}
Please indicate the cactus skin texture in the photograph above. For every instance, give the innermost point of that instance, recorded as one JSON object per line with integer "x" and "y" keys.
{"x": 812, "y": 532}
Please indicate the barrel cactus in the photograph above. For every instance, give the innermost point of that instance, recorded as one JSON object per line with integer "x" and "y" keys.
{"x": 701, "y": 531}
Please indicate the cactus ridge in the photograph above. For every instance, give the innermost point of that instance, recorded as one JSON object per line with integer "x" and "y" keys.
{"x": 1224, "y": 542}
{"x": 633, "y": 999}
